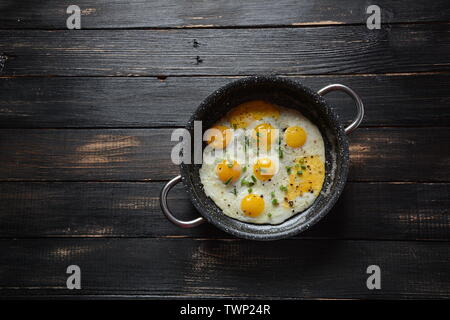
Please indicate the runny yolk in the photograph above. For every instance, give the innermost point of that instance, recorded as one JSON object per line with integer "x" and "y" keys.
{"x": 228, "y": 172}
{"x": 264, "y": 169}
{"x": 264, "y": 134}
{"x": 247, "y": 112}
{"x": 295, "y": 136}
{"x": 252, "y": 205}
{"x": 219, "y": 136}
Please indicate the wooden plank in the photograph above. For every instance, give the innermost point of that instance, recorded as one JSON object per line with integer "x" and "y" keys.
{"x": 378, "y": 211}
{"x": 377, "y": 154}
{"x": 350, "y": 49}
{"x": 193, "y": 268}
{"x": 406, "y": 100}
{"x": 198, "y": 14}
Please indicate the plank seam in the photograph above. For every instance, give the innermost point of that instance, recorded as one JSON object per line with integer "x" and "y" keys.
{"x": 233, "y": 27}
{"x": 164, "y": 77}
{"x": 230, "y": 239}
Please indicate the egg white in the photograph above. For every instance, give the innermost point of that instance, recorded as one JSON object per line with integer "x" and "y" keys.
{"x": 228, "y": 196}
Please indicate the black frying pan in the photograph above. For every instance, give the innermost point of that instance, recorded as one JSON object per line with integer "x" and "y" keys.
{"x": 290, "y": 94}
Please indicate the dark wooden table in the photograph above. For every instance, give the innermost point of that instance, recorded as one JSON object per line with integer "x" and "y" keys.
{"x": 86, "y": 117}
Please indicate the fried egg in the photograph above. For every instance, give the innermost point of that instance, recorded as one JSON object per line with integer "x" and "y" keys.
{"x": 263, "y": 163}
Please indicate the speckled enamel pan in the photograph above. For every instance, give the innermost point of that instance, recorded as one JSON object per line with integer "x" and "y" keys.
{"x": 287, "y": 93}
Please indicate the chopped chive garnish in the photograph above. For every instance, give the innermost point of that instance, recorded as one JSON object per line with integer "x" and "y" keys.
{"x": 288, "y": 169}
{"x": 270, "y": 215}
{"x": 253, "y": 178}
{"x": 234, "y": 191}
{"x": 275, "y": 202}
{"x": 303, "y": 167}
{"x": 283, "y": 188}
{"x": 250, "y": 190}
{"x": 247, "y": 183}
{"x": 228, "y": 181}
{"x": 244, "y": 169}
{"x": 272, "y": 194}
{"x": 280, "y": 153}
{"x": 299, "y": 172}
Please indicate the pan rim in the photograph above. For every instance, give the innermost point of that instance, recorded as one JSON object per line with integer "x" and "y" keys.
{"x": 298, "y": 224}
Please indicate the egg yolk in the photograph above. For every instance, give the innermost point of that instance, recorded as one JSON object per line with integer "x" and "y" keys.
{"x": 228, "y": 172}
{"x": 252, "y": 205}
{"x": 245, "y": 113}
{"x": 307, "y": 175}
{"x": 219, "y": 137}
{"x": 295, "y": 136}
{"x": 264, "y": 135}
{"x": 264, "y": 169}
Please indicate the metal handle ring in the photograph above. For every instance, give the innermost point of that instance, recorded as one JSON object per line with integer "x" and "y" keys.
{"x": 165, "y": 208}
{"x": 359, "y": 104}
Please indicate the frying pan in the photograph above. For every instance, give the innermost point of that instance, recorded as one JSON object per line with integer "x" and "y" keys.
{"x": 287, "y": 93}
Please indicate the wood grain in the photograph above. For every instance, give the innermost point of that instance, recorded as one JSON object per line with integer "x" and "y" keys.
{"x": 377, "y": 154}
{"x": 198, "y": 14}
{"x": 85, "y": 147}
{"x": 195, "y": 268}
{"x": 377, "y": 211}
{"x": 406, "y": 100}
{"x": 350, "y": 49}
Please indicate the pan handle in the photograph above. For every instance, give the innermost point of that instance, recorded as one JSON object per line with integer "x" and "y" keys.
{"x": 359, "y": 104}
{"x": 165, "y": 208}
